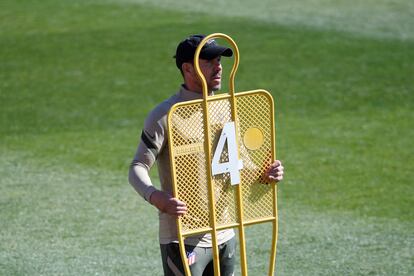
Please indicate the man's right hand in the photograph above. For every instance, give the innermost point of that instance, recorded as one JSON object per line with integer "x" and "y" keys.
{"x": 168, "y": 204}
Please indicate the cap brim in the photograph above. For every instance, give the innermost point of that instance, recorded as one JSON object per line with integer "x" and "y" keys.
{"x": 216, "y": 51}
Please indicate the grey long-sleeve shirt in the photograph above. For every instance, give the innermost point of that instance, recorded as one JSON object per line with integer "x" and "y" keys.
{"x": 153, "y": 148}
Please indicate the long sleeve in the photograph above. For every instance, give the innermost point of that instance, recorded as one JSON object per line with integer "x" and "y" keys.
{"x": 140, "y": 180}
{"x": 150, "y": 145}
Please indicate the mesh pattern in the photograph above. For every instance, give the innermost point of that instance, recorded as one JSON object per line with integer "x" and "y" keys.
{"x": 255, "y": 111}
{"x": 189, "y": 161}
{"x": 190, "y": 165}
{"x": 225, "y": 200}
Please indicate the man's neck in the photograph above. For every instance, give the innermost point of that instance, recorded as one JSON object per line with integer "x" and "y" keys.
{"x": 196, "y": 90}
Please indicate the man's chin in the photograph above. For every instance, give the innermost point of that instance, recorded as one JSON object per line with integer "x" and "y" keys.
{"x": 216, "y": 87}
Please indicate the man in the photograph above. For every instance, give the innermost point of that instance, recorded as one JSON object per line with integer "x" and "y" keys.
{"x": 153, "y": 147}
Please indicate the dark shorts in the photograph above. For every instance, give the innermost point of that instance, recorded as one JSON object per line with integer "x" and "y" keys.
{"x": 200, "y": 258}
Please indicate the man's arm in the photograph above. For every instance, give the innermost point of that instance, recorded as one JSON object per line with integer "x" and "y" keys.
{"x": 152, "y": 142}
{"x": 140, "y": 180}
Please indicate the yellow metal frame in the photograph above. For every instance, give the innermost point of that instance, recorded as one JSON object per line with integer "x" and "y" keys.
{"x": 200, "y": 109}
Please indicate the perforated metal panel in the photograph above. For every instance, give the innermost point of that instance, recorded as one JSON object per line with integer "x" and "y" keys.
{"x": 255, "y": 111}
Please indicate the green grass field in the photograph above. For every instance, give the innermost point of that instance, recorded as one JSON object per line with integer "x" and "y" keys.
{"x": 78, "y": 77}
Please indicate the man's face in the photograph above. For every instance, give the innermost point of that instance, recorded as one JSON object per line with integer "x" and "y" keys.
{"x": 211, "y": 70}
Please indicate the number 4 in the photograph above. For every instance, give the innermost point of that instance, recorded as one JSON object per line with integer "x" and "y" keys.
{"x": 234, "y": 165}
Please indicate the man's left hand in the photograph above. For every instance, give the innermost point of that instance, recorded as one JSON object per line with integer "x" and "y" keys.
{"x": 275, "y": 171}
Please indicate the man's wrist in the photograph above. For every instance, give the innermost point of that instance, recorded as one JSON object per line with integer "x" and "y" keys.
{"x": 157, "y": 199}
{"x": 152, "y": 197}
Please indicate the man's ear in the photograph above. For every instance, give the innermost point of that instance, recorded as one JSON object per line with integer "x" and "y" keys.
{"x": 187, "y": 68}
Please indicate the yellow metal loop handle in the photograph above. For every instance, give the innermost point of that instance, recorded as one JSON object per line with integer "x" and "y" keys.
{"x": 233, "y": 70}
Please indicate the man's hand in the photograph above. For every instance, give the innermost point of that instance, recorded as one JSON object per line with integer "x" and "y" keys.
{"x": 168, "y": 204}
{"x": 275, "y": 171}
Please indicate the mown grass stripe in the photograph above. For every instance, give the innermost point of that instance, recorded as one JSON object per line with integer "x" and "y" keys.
{"x": 377, "y": 19}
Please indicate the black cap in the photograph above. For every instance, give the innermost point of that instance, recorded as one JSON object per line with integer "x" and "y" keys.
{"x": 187, "y": 48}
